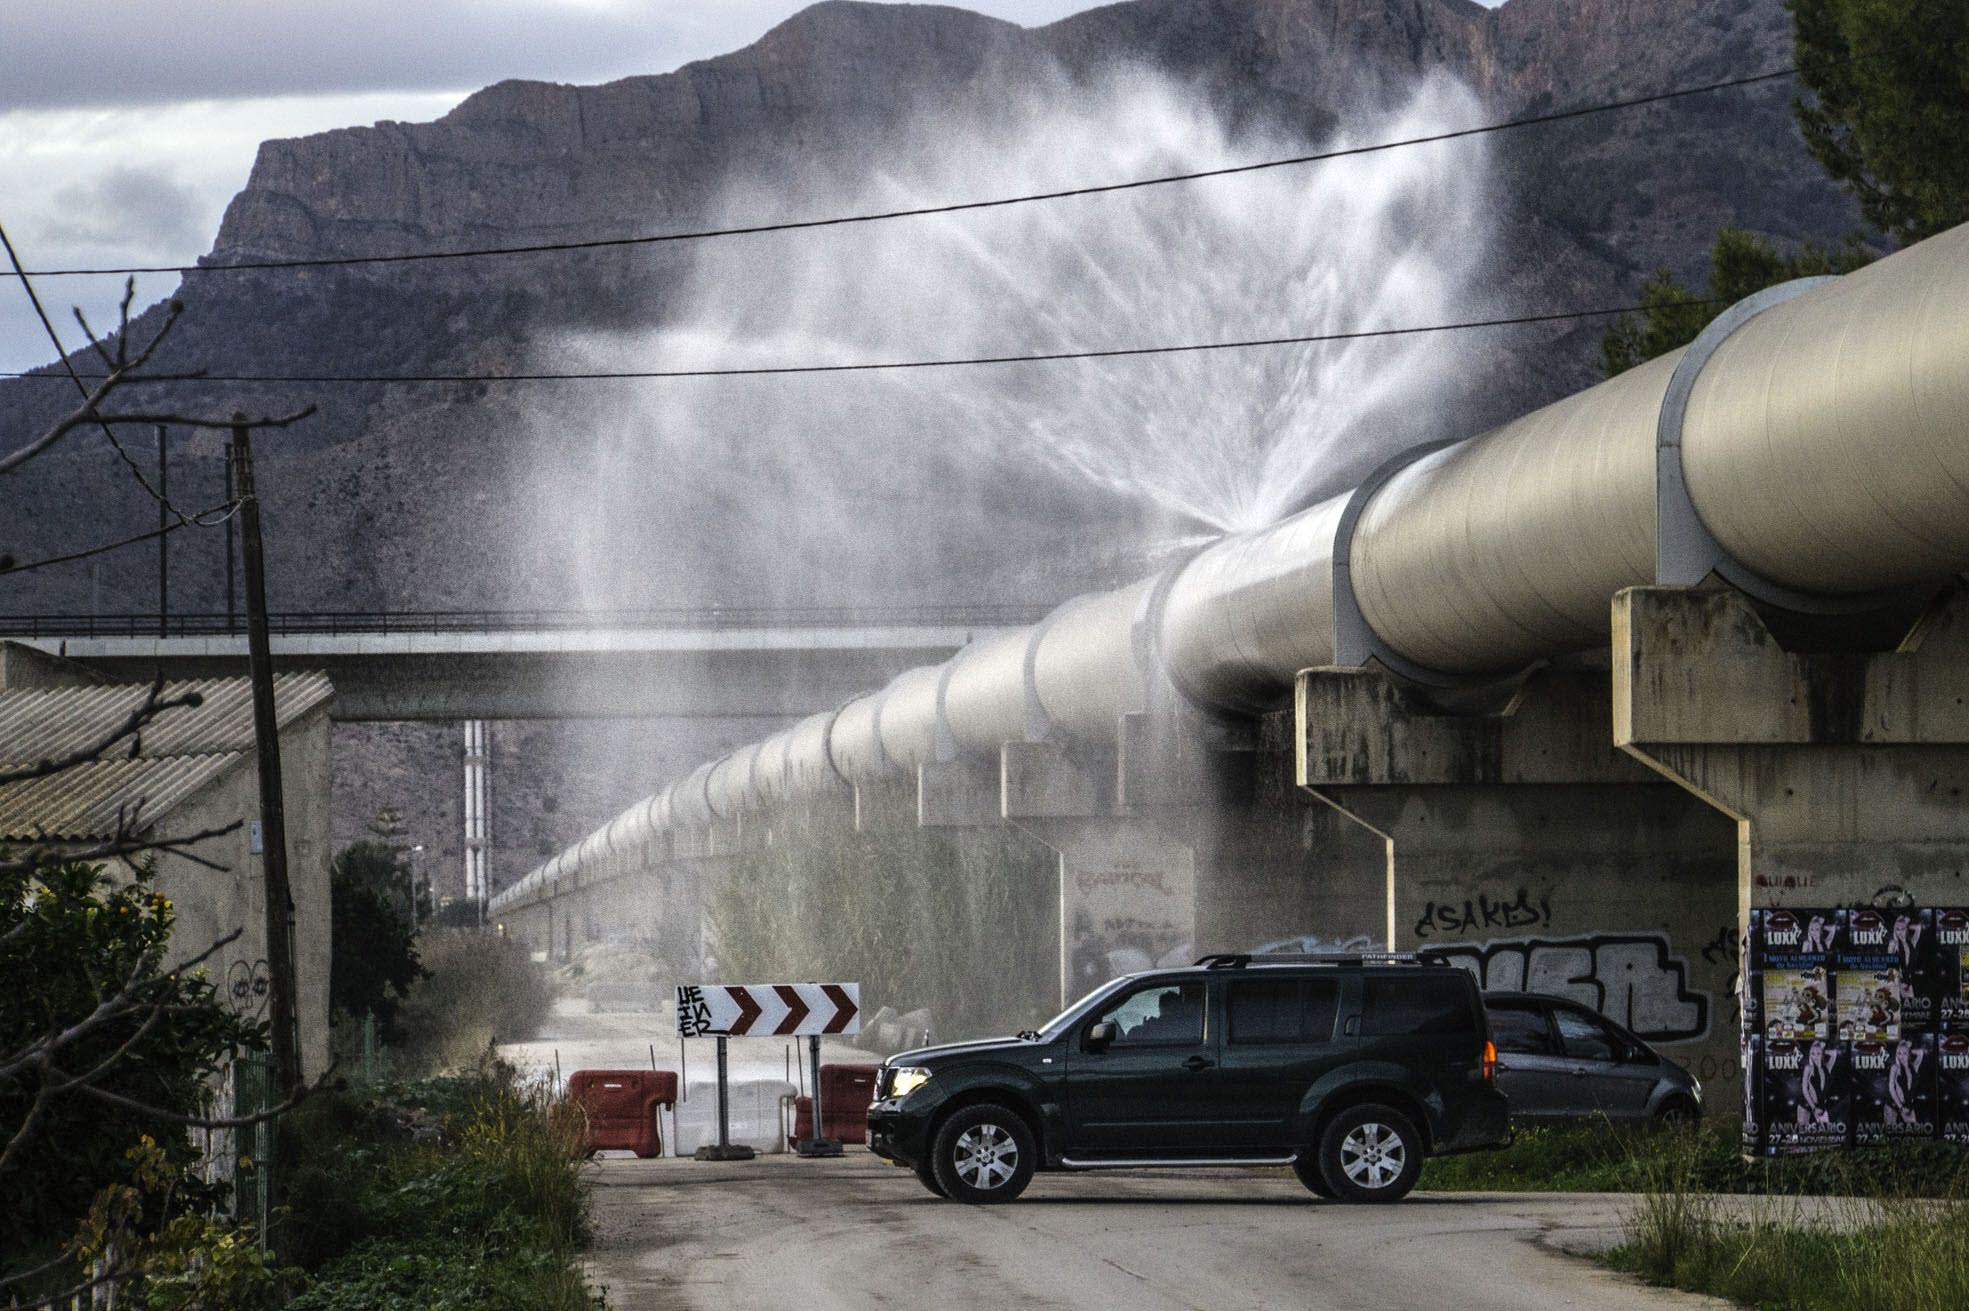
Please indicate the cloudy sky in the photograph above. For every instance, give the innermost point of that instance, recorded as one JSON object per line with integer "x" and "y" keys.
{"x": 126, "y": 125}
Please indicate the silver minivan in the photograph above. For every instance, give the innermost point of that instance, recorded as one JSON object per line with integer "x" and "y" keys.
{"x": 1559, "y": 1060}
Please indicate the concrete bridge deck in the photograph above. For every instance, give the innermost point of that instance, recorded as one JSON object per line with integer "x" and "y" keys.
{"x": 720, "y": 662}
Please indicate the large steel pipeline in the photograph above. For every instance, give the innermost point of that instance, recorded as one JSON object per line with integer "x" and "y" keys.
{"x": 1824, "y": 444}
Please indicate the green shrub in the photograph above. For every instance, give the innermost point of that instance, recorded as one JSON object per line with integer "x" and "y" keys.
{"x": 460, "y": 1191}
{"x": 71, "y": 936}
{"x": 479, "y": 990}
{"x": 455, "y": 1274}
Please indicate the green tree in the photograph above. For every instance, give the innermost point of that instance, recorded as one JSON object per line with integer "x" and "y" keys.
{"x": 1888, "y": 114}
{"x": 100, "y": 1044}
{"x": 1740, "y": 263}
{"x": 373, "y": 957}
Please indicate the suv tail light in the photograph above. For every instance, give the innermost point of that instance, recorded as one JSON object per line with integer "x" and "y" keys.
{"x": 1489, "y": 1067}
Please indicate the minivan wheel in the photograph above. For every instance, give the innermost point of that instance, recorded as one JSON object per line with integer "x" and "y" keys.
{"x": 984, "y": 1154}
{"x": 1677, "y": 1111}
{"x": 1306, "y": 1166}
{"x": 1370, "y": 1154}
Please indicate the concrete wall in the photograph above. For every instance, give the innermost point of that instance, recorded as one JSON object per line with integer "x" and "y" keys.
{"x": 213, "y": 903}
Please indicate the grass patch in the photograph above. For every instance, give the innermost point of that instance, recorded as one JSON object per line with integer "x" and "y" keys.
{"x": 1883, "y": 1253}
{"x": 464, "y": 1192}
{"x": 1702, "y": 1158}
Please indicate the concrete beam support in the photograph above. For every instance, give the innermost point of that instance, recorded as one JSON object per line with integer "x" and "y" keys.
{"x": 1127, "y": 897}
{"x": 1276, "y": 866}
{"x": 1524, "y": 844}
{"x": 962, "y": 793}
{"x": 1846, "y": 775}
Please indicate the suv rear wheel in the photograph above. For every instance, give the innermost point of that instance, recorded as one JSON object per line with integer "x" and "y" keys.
{"x": 983, "y": 1154}
{"x": 1370, "y": 1153}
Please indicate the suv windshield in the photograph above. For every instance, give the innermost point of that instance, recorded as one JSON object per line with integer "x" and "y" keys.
{"x": 1054, "y": 1027}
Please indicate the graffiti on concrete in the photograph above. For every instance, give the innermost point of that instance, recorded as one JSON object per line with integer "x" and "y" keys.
{"x": 1108, "y": 880}
{"x": 1309, "y": 943}
{"x": 1632, "y": 979}
{"x": 1483, "y": 911}
{"x": 1118, "y": 945}
{"x": 249, "y": 985}
{"x": 1723, "y": 949}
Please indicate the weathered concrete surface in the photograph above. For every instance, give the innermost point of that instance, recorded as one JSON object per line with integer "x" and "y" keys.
{"x": 1525, "y": 843}
{"x": 1846, "y": 774}
{"x": 855, "y": 1233}
{"x": 1127, "y": 898}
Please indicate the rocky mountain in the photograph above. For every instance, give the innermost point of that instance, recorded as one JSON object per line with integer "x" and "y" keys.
{"x": 454, "y": 495}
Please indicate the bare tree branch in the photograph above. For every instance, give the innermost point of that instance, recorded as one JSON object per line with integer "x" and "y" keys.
{"x": 154, "y": 704}
{"x": 200, "y": 1122}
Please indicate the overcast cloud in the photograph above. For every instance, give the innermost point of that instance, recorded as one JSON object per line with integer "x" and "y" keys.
{"x": 126, "y": 125}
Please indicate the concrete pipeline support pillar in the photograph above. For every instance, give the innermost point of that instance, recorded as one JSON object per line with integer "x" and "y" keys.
{"x": 1277, "y": 867}
{"x": 1127, "y": 887}
{"x": 1523, "y": 844}
{"x": 1846, "y": 775}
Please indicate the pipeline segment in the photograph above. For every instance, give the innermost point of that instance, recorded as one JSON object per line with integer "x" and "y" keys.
{"x": 1824, "y": 444}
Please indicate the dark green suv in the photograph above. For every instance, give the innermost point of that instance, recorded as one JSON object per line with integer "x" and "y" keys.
{"x": 1349, "y": 1068}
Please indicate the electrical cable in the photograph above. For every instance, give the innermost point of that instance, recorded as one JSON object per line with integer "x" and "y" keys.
{"x": 873, "y": 366}
{"x": 955, "y": 207}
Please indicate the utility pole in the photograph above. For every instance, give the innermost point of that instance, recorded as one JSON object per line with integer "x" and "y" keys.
{"x": 163, "y": 537}
{"x": 232, "y": 606}
{"x": 266, "y": 735}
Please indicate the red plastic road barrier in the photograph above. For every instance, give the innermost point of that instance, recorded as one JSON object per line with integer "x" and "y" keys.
{"x": 622, "y": 1107}
{"x": 845, "y": 1092}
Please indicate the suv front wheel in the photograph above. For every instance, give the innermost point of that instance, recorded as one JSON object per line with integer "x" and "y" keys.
{"x": 1370, "y": 1153}
{"x": 983, "y": 1154}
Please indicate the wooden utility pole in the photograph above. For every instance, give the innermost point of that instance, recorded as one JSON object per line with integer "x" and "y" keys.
{"x": 163, "y": 537}
{"x": 266, "y": 735}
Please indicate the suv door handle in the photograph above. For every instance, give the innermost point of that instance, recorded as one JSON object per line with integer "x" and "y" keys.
{"x": 1198, "y": 1063}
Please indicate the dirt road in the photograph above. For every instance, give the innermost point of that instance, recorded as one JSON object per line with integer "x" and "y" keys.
{"x": 854, "y": 1234}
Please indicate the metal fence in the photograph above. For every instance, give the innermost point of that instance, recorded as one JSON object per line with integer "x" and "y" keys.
{"x": 512, "y": 621}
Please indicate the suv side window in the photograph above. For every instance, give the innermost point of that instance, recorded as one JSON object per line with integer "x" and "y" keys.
{"x": 1282, "y": 1010}
{"x": 1585, "y": 1038}
{"x": 1520, "y": 1027}
{"x": 1416, "y": 1004}
{"x": 1169, "y": 1014}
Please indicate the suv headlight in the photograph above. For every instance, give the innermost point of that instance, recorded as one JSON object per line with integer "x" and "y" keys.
{"x": 907, "y": 1079}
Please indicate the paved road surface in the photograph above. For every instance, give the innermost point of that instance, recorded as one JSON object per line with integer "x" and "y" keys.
{"x": 858, "y": 1234}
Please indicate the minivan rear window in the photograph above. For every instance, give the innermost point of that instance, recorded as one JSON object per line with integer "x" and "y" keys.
{"x": 1416, "y": 1004}
{"x": 1282, "y": 1010}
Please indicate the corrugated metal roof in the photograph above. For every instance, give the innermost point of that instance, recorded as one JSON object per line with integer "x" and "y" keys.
{"x": 48, "y": 723}
{"x": 178, "y": 752}
{"x": 86, "y": 802}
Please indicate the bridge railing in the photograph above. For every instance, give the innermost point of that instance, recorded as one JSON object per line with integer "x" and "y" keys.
{"x": 511, "y": 621}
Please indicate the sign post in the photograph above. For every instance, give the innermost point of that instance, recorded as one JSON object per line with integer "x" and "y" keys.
{"x": 767, "y": 1010}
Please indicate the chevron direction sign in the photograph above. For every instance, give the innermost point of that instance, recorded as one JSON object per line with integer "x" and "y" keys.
{"x": 767, "y": 1010}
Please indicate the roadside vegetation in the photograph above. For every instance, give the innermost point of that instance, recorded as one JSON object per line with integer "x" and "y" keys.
{"x": 1889, "y": 1241}
{"x": 964, "y": 924}
{"x": 1595, "y": 1157}
{"x": 463, "y": 1191}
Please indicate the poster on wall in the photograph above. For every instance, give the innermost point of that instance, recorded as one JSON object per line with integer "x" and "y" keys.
{"x": 1894, "y": 1090}
{"x": 1949, "y": 981}
{"x": 1952, "y": 1091}
{"x": 1791, "y": 959}
{"x": 1855, "y": 1028}
{"x": 1806, "y": 1095}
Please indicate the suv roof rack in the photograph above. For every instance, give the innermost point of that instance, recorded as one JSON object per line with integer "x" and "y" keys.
{"x": 1243, "y": 960}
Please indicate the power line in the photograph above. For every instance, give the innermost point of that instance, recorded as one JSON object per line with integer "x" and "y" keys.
{"x": 873, "y": 366}
{"x": 7, "y": 566}
{"x": 843, "y": 220}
